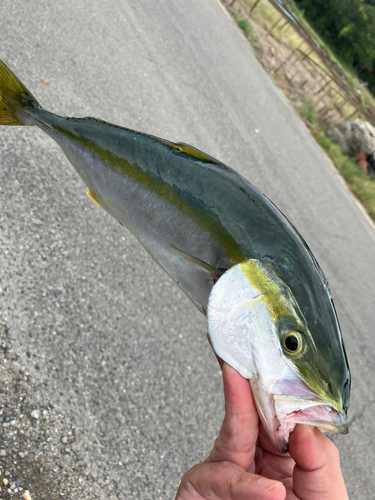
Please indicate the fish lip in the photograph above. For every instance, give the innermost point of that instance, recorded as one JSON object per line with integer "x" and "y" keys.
{"x": 281, "y": 410}
{"x": 312, "y": 411}
{"x": 337, "y": 423}
{"x": 292, "y": 399}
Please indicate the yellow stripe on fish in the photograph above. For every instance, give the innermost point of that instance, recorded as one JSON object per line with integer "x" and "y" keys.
{"x": 270, "y": 292}
{"x": 165, "y": 191}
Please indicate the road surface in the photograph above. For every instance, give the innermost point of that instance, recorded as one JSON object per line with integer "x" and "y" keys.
{"x": 95, "y": 337}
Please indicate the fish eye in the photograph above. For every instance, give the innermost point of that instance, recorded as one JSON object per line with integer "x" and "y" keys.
{"x": 293, "y": 344}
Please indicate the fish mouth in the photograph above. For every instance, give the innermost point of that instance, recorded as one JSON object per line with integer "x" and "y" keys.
{"x": 291, "y": 411}
{"x": 292, "y": 402}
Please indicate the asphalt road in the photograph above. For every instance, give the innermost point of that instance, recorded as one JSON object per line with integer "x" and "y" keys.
{"x": 110, "y": 344}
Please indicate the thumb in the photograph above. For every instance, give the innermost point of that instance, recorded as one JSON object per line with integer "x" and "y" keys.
{"x": 317, "y": 473}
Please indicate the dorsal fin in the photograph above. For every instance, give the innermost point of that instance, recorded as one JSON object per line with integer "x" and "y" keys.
{"x": 93, "y": 119}
{"x": 194, "y": 152}
{"x": 181, "y": 147}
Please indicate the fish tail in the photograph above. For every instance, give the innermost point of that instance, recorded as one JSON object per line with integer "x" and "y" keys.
{"x": 15, "y": 99}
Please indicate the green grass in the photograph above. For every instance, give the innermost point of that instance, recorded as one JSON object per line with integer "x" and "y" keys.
{"x": 267, "y": 16}
{"x": 363, "y": 100}
{"x": 361, "y": 185}
{"x": 358, "y": 181}
{"x": 307, "y": 111}
{"x": 348, "y": 72}
{"x": 246, "y": 26}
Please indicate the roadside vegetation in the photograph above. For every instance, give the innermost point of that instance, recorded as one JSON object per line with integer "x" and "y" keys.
{"x": 246, "y": 26}
{"x": 303, "y": 78}
{"x": 347, "y": 27}
{"x": 359, "y": 182}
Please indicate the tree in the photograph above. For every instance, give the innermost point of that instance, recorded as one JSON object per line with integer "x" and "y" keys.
{"x": 348, "y": 27}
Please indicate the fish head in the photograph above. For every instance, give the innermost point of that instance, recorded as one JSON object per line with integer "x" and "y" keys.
{"x": 257, "y": 326}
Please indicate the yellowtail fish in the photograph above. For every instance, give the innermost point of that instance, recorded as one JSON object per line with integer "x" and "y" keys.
{"x": 235, "y": 255}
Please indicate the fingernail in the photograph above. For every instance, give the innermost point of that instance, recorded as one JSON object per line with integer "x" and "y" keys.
{"x": 267, "y": 484}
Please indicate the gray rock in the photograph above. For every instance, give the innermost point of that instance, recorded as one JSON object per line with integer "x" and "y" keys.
{"x": 35, "y": 414}
{"x": 353, "y": 137}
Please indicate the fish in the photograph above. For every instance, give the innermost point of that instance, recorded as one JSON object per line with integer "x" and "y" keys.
{"x": 269, "y": 310}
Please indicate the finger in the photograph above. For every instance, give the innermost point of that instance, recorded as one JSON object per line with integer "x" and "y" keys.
{"x": 317, "y": 474}
{"x": 239, "y": 432}
{"x": 226, "y": 481}
{"x": 273, "y": 466}
{"x": 219, "y": 360}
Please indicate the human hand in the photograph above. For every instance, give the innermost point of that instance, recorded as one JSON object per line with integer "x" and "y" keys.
{"x": 245, "y": 465}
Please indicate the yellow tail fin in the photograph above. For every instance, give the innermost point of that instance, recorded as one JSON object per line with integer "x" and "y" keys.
{"x": 14, "y": 98}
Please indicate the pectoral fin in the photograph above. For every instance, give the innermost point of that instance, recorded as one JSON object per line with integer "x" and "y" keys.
{"x": 211, "y": 273}
{"x": 93, "y": 197}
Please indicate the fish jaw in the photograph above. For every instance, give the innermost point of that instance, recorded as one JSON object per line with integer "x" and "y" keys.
{"x": 281, "y": 412}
